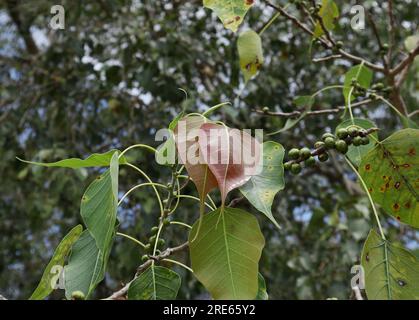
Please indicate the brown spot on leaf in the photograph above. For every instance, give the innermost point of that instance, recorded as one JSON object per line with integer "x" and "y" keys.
{"x": 397, "y": 184}
{"x": 398, "y": 218}
{"x": 396, "y": 207}
{"x": 412, "y": 152}
{"x": 367, "y": 257}
{"x": 387, "y": 185}
{"x": 406, "y": 165}
{"x": 407, "y": 205}
{"x": 369, "y": 190}
{"x": 237, "y": 18}
{"x": 401, "y": 282}
{"x": 249, "y": 2}
{"x": 367, "y": 167}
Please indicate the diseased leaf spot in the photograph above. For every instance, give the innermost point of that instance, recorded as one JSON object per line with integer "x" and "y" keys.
{"x": 237, "y": 18}
{"x": 367, "y": 257}
{"x": 249, "y": 2}
{"x": 407, "y": 205}
{"x": 401, "y": 282}
{"x": 398, "y": 218}
{"x": 397, "y": 184}
{"x": 368, "y": 167}
{"x": 406, "y": 165}
{"x": 412, "y": 152}
{"x": 369, "y": 190}
{"x": 396, "y": 207}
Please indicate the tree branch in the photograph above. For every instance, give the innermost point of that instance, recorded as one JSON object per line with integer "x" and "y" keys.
{"x": 166, "y": 253}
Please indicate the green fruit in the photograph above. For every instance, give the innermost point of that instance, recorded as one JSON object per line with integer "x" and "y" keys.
{"x": 378, "y": 86}
{"x": 78, "y": 295}
{"x": 327, "y": 135}
{"x": 144, "y": 258}
{"x": 323, "y": 157}
{"x": 339, "y": 44}
{"x": 385, "y": 46}
{"x": 318, "y": 144}
{"x": 365, "y": 140}
{"x": 342, "y": 133}
{"x": 305, "y": 153}
{"x": 166, "y": 222}
{"x": 342, "y": 146}
{"x": 147, "y": 247}
{"x": 161, "y": 242}
{"x": 353, "y": 131}
{"x": 265, "y": 109}
{"x": 357, "y": 141}
{"x": 154, "y": 230}
{"x": 294, "y": 153}
{"x": 287, "y": 165}
{"x": 310, "y": 162}
{"x": 295, "y": 168}
{"x": 329, "y": 143}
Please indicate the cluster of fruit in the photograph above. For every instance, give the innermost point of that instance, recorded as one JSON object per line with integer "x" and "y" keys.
{"x": 152, "y": 241}
{"x": 345, "y": 137}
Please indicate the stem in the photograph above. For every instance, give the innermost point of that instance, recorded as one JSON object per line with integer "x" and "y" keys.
{"x": 195, "y": 198}
{"x": 337, "y": 86}
{"x": 181, "y": 224}
{"x": 150, "y": 181}
{"x": 131, "y": 238}
{"x": 178, "y": 263}
{"x": 137, "y": 146}
{"x": 391, "y": 106}
{"x": 268, "y": 24}
{"x": 369, "y": 197}
{"x": 139, "y": 186}
{"x": 212, "y": 109}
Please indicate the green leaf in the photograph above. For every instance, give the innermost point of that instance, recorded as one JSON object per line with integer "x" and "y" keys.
{"x": 391, "y": 272}
{"x": 155, "y": 283}
{"x": 262, "y": 293}
{"x": 300, "y": 101}
{"x": 94, "y": 160}
{"x": 230, "y": 12}
{"x": 363, "y": 76}
{"x": 85, "y": 268}
{"x": 45, "y": 287}
{"x": 329, "y": 11}
{"x": 99, "y": 205}
{"x": 261, "y": 189}
{"x": 411, "y": 42}
{"x": 390, "y": 171}
{"x": 249, "y": 45}
{"x": 354, "y": 153}
{"x": 226, "y": 252}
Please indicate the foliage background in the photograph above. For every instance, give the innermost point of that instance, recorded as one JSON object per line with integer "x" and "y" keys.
{"x": 112, "y": 78}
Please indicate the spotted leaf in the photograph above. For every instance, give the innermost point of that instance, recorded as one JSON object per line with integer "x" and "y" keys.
{"x": 230, "y": 12}
{"x": 391, "y": 272}
{"x": 390, "y": 171}
{"x": 249, "y": 46}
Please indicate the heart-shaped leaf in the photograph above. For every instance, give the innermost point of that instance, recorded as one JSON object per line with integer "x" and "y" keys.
{"x": 261, "y": 189}
{"x": 230, "y": 12}
{"x": 45, "y": 286}
{"x": 155, "y": 283}
{"x": 390, "y": 171}
{"x": 186, "y": 138}
{"x": 249, "y": 46}
{"x": 86, "y": 266}
{"x": 391, "y": 272}
{"x": 360, "y": 73}
{"x": 99, "y": 205}
{"x": 232, "y": 155}
{"x": 226, "y": 253}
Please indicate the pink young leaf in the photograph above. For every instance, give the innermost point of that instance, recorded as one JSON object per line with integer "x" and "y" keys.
{"x": 186, "y": 137}
{"x": 232, "y": 155}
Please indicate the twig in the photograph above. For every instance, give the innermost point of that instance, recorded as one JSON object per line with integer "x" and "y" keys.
{"x": 327, "y": 58}
{"x": 405, "y": 62}
{"x": 166, "y": 253}
{"x": 312, "y": 113}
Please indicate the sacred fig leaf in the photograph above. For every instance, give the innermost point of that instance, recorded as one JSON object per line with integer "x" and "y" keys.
{"x": 249, "y": 45}
{"x": 94, "y": 160}
{"x": 390, "y": 171}
{"x": 86, "y": 266}
{"x": 232, "y": 155}
{"x": 354, "y": 153}
{"x": 226, "y": 253}
{"x": 46, "y": 286}
{"x": 391, "y": 272}
{"x": 360, "y": 73}
{"x": 329, "y": 11}
{"x": 186, "y": 138}
{"x": 155, "y": 283}
{"x": 230, "y": 12}
{"x": 261, "y": 189}
{"x": 262, "y": 293}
